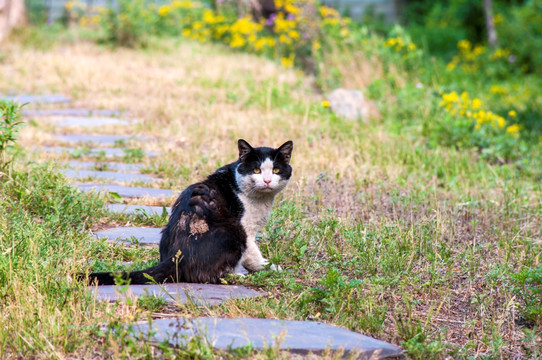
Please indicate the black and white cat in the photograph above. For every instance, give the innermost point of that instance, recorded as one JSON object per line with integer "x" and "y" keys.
{"x": 212, "y": 228}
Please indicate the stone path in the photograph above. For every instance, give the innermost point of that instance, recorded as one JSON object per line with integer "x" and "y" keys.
{"x": 107, "y": 152}
{"x": 142, "y": 235}
{"x": 182, "y": 293}
{"x": 139, "y": 209}
{"x": 296, "y": 336}
{"x": 125, "y": 191}
{"x": 99, "y": 139}
{"x": 90, "y": 165}
{"x": 108, "y": 175}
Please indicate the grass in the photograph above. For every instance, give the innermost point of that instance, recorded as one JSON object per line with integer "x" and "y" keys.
{"x": 377, "y": 232}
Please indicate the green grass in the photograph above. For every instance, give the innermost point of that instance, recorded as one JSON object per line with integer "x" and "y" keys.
{"x": 429, "y": 247}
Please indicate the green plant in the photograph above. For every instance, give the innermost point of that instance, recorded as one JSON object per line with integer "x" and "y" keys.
{"x": 126, "y": 24}
{"x": 9, "y": 126}
{"x": 527, "y": 286}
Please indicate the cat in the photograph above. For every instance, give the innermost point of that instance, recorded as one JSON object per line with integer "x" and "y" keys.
{"x": 212, "y": 227}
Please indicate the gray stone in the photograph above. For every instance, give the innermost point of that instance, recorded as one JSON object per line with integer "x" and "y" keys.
{"x": 350, "y": 104}
{"x": 70, "y": 112}
{"x": 48, "y": 99}
{"x": 90, "y": 165}
{"x": 138, "y": 209}
{"x": 107, "y": 152}
{"x": 108, "y": 175}
{"x": 295, "y": 336}
{"x": 181, "y": 293}
{"x": 124, "y": 191}
{"x": 99, "y": 139}
{"x": 144, "y": 236}
{"x": 93, "y": 121}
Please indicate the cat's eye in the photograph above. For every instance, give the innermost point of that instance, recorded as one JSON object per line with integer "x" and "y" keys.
{"x": 257, "y": 171}
{"x": 276, "y": 170}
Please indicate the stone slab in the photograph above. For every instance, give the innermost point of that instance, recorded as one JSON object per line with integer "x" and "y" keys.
{"x": 124, "y": 191}
{"x": 138, "y": 209}
{"x": 295, "y": 336}
{"x": 98, "y": 139}
{"x": 91, "y": 165}
{"x": 92, "y": 121}
{"x": 30, "y": 98}
{"x": 182, "y": 293}
{"x": 107, "y": 175}
{"x": 70, "y": 112}
{"x": 143, "y": 235}
{"x": 107, "y": 152}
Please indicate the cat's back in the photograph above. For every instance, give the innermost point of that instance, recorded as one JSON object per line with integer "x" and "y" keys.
{"x": 213, "y": 198}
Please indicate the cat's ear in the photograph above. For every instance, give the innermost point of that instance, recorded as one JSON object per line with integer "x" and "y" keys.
{"x": 286, "y": 150}
{"x": 244, "y": 149}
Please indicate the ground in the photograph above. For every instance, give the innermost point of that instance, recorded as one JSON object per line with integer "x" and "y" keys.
{"x": 376, "y": 232}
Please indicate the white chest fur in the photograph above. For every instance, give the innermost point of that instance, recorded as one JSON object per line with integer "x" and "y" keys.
{"x": 257, "y": 211}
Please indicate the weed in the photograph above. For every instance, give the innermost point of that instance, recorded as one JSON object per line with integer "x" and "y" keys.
{"x": 9, "y": 126}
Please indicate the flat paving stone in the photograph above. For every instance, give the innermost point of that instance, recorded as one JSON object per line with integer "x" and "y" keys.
{"x": 108, "y": 175}
{"x": 90, "y": 165}
{"x": 143, "y": 235}
{"x": 107, "y": 152}
{"x": 295, "y": 336}
{"x": 99, "y": 139}
{"x": 92, "y": 121}
{"x": 124, "y": 191}
{"x": 138, "y": 209}
{"x": 70, "y": 112}
{"x": 182, "y": 293}
{"x": 31, "y": 98}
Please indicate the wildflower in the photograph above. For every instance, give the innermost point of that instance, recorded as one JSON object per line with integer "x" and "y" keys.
{"x": 164, "y": 10}
{"x": 316, "y": 45}
{"x": 513, "y": 129}
{"x": 326, "y": 103}
{"x": 288, "y": 62}
{"x": 512, "y": 113}
{"x": 237, "y": 41}
{"x": 496, "y": 89}
{"x": 451, "y": 97}
{"x": 476, "y": 103}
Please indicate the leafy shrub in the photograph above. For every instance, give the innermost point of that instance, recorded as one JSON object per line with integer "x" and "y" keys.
{"x": 128, "y": 24}
{"x": 9, "y": 123}
{"x": 519, "y": 30}
{"x": 527, "y": 286}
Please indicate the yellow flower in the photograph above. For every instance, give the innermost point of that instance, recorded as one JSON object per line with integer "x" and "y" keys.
{"x": 326, "y": 103}
{"x": 411, "y": 46}
{"x": 345, "y": 32}
{"x": 451, "y": 97}
{"x": 476, "y": 103}
{"x": 237, "y": 41}
{"x": 513, "y": 129}
{"x": 501, "y": 122}
{"x": 288, "y": 62}
{"x": 186, "y": 32}
{"x": 293, "y": 34}
{"x": 316, "y": 45}
{"x": 496, "y": 89}
{"x": 512, "y": 113}
{"x": 164, "y": 10}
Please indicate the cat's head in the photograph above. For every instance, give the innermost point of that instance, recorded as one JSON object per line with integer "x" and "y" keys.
{"x": 263, "y": 170}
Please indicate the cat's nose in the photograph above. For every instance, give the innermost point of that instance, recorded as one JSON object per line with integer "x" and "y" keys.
{"x": 267, "y": 181}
